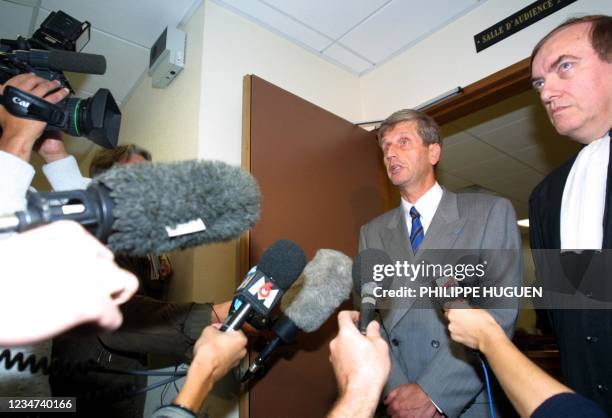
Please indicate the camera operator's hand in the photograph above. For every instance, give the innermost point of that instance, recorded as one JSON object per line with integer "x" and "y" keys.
{"x": 19, "y": 134}
{"x": 56, "y": 277}
{"x": 51, "y": 147}
{"x": 215, "y": 353}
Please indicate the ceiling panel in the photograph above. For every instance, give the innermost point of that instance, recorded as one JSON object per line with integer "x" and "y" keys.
{"x": 346, "y": 58}
{"x": 497, "y": 168}
{"x": 454, "y": 138}
{"x": 544, "y": 157}
{"x": 515, "y": 136}
{"x": 518, "y": 185}
{"x": 332, "y": 18}
{"x": 15, "y": 20}
{"x": 466, "y": 153}
{"x": 278, "y": 22}
{"x": 402, "y": 23}
{"x": 450, "y": 181}
{"x": 139, "y": 21}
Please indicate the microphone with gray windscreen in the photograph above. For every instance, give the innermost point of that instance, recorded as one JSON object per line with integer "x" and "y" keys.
{"x": 139, "y": 209}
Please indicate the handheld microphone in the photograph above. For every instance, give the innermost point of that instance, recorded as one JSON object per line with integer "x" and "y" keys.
{"x": 264, "y": 285}
{"x": 146, "y": 208}
{"x": 322, "y": 287}
{"x": 363, "y": 281}
{"x": 57, "y": 60}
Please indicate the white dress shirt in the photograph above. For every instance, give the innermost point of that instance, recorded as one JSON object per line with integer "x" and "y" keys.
{"x": 427, "y": 205}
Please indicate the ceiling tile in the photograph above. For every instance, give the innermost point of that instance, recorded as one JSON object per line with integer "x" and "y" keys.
{"x": 15, "y": 20}
{"x": 140, "y": 21}
{"x": 516, "y": 135}
{"x": 450, "y": 181}
{"x": 518, "y": 185}
{"x": 484, "y": 172}
{"x": 450, "y": 139}
{"x": 466, "y": 153}
{"x": 346, "y": 58}
{"x": 401, "y": 24}
{"x": 278, "y": 22}
{"x": 548, "y": 155}
{"x": 332, "y": 18}
{"x": 517, "y": 107}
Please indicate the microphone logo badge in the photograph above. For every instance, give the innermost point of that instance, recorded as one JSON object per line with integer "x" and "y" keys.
{"x": 265, "y": 291}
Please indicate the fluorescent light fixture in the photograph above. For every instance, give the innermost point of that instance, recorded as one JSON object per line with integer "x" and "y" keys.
{"x": 523, "y": 222}
{"x": 451, "y": 93}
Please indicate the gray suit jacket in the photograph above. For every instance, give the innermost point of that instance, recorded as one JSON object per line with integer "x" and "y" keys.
{"x": 421, "y": 349}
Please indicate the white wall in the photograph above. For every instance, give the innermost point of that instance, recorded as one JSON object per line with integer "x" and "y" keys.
{"x": 448, "y": 58}
{"x": 235, "y": 47}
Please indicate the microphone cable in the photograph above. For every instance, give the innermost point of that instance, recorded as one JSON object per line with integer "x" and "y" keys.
{"x": 486, "y": 375}
{"x": 55, "y": 367}
{"x": 60, "y": 368}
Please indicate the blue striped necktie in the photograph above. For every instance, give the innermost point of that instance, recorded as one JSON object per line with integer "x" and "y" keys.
{"x": 416, "y": 232}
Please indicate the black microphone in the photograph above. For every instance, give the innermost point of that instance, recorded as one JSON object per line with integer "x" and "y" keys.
{"x": 264, "y": 285}
{"x": 57, "y": 60}
{"x": 322, "y": 287}
{"x": 140, "y": 209}
{"x": 364, "y": 283}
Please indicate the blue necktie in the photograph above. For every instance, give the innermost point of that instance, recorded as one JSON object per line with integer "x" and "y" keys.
{"x": 416, "y": 233}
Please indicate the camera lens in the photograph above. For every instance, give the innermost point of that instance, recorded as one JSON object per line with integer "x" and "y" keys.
{"x": 97, "y": 118}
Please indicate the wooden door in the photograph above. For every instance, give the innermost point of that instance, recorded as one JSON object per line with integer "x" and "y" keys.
{"x": 321, "y": 178}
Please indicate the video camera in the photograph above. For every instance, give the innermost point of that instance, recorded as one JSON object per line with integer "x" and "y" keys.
{"x": 52, "y": 50}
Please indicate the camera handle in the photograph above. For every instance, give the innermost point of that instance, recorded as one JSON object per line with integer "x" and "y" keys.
{"x": 24, "y": 105}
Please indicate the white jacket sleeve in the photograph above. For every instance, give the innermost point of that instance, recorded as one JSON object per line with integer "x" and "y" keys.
{"x": 65, "y": 174}
{"x": 15, "y": 178}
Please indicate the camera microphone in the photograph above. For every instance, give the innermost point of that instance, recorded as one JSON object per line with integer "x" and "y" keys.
{"x": 77, "y": 62}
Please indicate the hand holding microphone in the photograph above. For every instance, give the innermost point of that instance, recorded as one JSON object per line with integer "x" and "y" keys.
{"x": 361, "y": 365}
{"x": 472, "y": 326}
{"x": 215, "y": 353}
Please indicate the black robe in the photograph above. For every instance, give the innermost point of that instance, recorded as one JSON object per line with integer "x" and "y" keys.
{"x": 584, "y": 336}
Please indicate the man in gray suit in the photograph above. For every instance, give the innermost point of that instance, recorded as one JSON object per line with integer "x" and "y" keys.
{"x": 430, "y": 374}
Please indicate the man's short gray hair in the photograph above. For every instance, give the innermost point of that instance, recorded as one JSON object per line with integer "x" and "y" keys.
{"x": 428, "y": 129}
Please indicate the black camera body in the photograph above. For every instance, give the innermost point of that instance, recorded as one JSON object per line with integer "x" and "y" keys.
{"x": 51, "y": 51}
